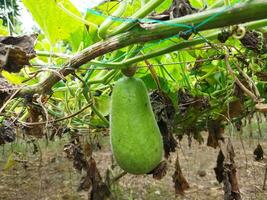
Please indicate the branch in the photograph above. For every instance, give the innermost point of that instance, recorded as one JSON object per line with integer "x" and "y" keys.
{"x": 240, "y": 13}
{"x": 238, "y": 82}
{"x": 130, "y": 61}
{"x": 57, "y": 120}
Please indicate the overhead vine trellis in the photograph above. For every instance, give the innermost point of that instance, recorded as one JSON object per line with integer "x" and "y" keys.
{"x": 157, "y": 31}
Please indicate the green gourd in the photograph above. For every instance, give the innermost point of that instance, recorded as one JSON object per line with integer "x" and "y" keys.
{"x": 135, "y": 136}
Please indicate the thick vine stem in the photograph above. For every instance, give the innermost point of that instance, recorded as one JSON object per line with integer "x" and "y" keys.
{"x": 241, "y": 13}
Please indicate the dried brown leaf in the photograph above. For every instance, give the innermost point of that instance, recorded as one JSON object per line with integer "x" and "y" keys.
{"x": 215, "y": 131}
{"x": 160, "y": 171}
{"x": 16, "y": 52}
{"x": 5, "y": 89}
{"x": 7, "y": 132}
{"x": 219, "y": 169}
{"x": 258, "y": 153}
{"x": 231, "y": 188}
{"x": 35, "y": 115}
{"x": 88, "y": 150}
{"x": 180, "y": 183}
{"x": 254, "y": 40}
{"x": 164, "y": 112}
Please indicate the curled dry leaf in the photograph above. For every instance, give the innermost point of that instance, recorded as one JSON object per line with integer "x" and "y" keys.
{"x": 235, "y": 109}
{"x": 231, "y": 189}
{"x": 160, "y": 171}
{"x": 16, "y": 52}
{"x": 255, "y": 41}
{"x": 182, "y": 8}
{"x": 92, "y": 180}
{"x": 223, "y": 35}
{"x": 35, "y": 115}
{"x": 215, "y": 131}
{"x": 5, "y": 89}
{"x": 180, "y": 183}
{"x": 58, "y": 130}
{"x": 258, "y": 153}
{"x": 187, "y": 101}
{"x": 225, "y": 171}
{"x": 164, "y": 112}
{"x": 178, "y": 8}
{"x": 219, "y": 169}
{"x": 7, "y": 132}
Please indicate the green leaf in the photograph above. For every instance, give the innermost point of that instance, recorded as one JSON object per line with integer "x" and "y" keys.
{"x": 102, "y": 104}
{"x": 103, "y": 9}
{"x": 53, "y": 20}
{"x": 13, "y": 78}
{"x": 10, "y": 163}
{"x": 3, "y": 30}
{"x": 80, "y": 39}
{"x": 164, "y": 6}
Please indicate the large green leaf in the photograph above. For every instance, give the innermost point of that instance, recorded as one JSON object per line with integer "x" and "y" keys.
{"x": 102, "y": 104}
{"x": 164, "y": 6}
{"x": 3, "y": 30}
{"x": 56, "y": 23}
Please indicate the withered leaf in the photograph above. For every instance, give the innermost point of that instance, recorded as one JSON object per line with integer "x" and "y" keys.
{"x": 231, "y": 188}
{"x": 100, "y": 189}
{"x": 160, "y": 171}
{"x": 164, "y": 112}
{"x": 235, "y": 109}
{"x": 100, "y": 192}
{"x": 7, "y": 132}
{"x": 58, "y": 130}
{"x": 5, "y": 89}
{"x": 35, "y": 115}
{"x": 254, "y": 41}
{"x": 223, "y": 35}
{"x": 179, "y": 180}
{"x": 26, "y": 42}
{"x": 85, "y": 183}
{"x": 79, "y": 161}
{"x": 180, "y": 8}
{"x": 230, "y": 151}
{"x": 92, "y": 181}
{"x": 219, "y": 169}
{"x": 88, "y": 150}
{"x": 187, "y": 101}
{"x": 258, "y": 153}
{"x": 16, "y": 52}
{"x": 215, "y": 131}
{"x": 226, "y": 171}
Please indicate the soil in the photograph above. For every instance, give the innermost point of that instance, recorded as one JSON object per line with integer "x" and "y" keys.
{"x": 49, "y": 174}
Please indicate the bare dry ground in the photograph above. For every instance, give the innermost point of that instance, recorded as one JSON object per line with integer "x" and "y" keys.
{"x": 50, "y": 175}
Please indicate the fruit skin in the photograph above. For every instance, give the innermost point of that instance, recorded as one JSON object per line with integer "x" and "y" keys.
{"x": 135, "y": 136}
